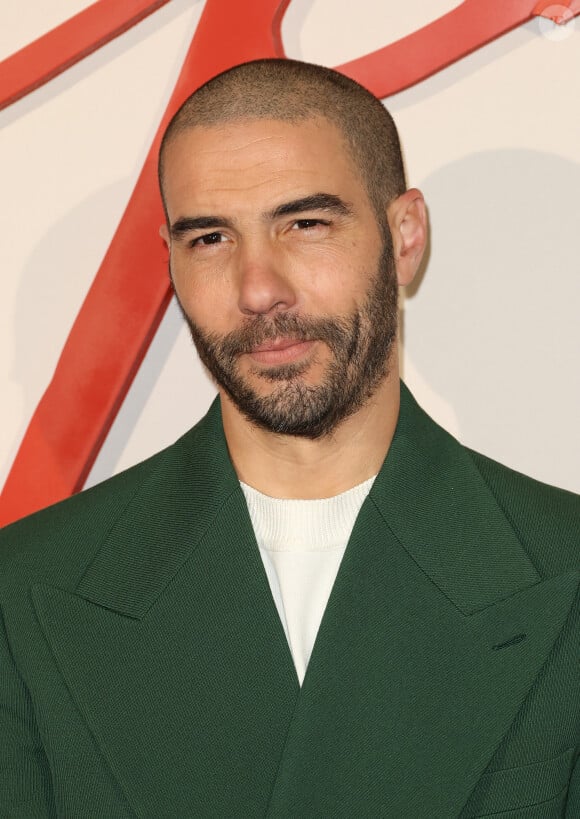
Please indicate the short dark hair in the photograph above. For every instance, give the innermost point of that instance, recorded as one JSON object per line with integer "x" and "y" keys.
{"x": 290, "y": 90}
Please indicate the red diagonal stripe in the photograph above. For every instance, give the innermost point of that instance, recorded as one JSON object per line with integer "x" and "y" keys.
{"x": 65, "y": 45}
{"x": 441, "y": 43}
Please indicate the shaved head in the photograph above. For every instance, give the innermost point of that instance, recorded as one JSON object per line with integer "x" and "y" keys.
{"x": 293, "y": 91}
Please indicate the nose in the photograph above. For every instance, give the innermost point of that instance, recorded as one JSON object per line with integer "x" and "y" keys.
{"x": 264, "y": 282}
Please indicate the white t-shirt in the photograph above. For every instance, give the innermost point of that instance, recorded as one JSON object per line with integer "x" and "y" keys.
{"x": 302, "y": 543}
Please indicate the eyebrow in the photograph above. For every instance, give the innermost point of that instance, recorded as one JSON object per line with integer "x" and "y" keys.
{"x": 328, "y": 202}
{"x": 189, "y": 223}
{"x": 316, "y": 201}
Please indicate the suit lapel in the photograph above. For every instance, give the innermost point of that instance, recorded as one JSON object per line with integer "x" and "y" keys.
{"x": 435, "y": 631}
{"x": 171, "y": 644}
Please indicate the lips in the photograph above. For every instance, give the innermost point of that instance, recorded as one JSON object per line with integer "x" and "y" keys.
{"x": 276, "y": 344}
{"x": 280, "y": 350}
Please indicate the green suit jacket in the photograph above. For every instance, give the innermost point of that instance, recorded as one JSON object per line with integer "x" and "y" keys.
{"x": 145, "y": 672}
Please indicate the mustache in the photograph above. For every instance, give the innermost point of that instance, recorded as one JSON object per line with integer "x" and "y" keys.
{"x": 261, "y": 329}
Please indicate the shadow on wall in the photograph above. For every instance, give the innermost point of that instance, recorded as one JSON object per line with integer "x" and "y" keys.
{"x": 494, "y": 327}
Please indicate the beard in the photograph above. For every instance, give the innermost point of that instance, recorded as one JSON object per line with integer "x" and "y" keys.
{"x": 360, "y": 344}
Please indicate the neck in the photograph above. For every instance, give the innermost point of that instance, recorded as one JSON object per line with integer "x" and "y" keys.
{"x": 284, "y": 466}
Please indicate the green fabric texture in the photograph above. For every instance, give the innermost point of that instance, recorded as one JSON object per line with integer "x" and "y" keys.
{"x": 144, "y": 671}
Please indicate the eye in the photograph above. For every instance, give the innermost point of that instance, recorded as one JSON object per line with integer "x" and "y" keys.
{"x": 208, "y": 239}
{"x": 308, "y": 224}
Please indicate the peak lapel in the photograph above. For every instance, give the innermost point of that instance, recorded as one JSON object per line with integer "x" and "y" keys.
{"x": 171, "y": 644}
{"x": 435, "y": 631}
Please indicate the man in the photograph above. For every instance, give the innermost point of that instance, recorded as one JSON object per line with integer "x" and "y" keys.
{"x": 316, "y": 603}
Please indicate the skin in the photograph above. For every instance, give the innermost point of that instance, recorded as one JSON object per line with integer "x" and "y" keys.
{"x": 235, "y": 255}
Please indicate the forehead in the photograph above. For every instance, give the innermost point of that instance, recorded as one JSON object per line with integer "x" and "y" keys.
{"x": 259, "y": 159}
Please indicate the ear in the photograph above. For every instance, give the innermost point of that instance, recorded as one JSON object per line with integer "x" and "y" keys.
{"x": 407, "y": 218}
{"x": 164, "y": 233}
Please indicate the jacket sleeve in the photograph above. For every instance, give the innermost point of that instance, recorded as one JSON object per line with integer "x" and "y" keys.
{"x": 25, "y": 784}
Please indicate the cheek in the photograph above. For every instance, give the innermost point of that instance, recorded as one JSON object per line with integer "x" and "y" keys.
{"x": 206, "y": 297}
{"x": 338, "y": 277}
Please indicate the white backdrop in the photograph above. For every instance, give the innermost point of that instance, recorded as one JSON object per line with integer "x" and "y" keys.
{"x": 492, "y": 329}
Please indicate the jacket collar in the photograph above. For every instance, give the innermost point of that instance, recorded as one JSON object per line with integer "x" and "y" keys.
{"x": 166, "y": 519}
{"x": 437, "y": 504}
{"x": 428, "y": 491}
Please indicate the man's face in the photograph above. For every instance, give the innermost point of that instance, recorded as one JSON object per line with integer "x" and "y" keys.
{"x": 281, "y": 270}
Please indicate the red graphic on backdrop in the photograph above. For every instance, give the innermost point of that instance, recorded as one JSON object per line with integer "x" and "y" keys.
{"x": 130, "y": 292}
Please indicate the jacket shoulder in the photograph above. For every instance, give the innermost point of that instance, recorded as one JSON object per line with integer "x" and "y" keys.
{"x": 57, "y": 543}
{"x": 546, "y": 518}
